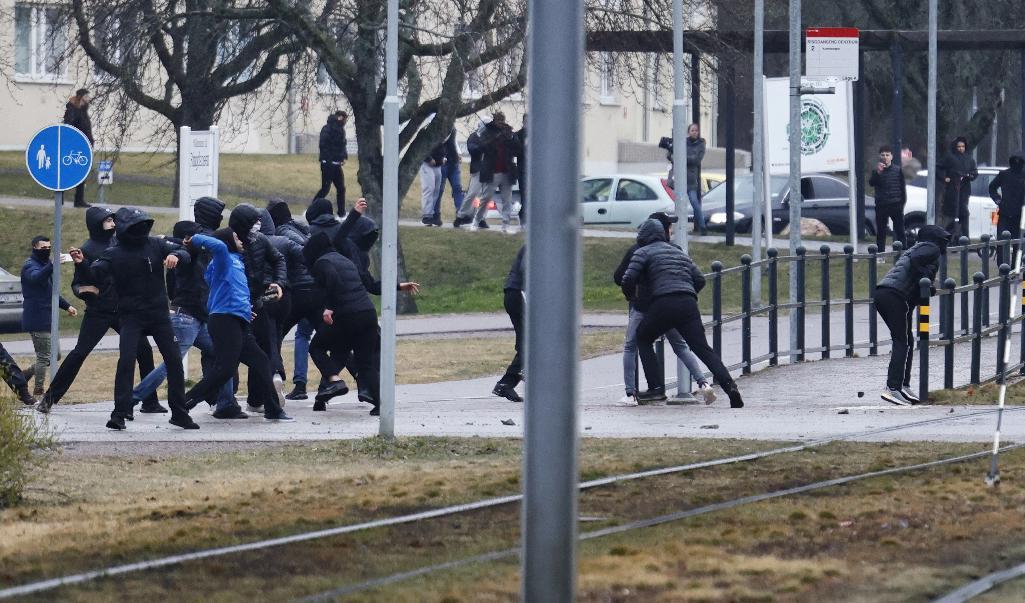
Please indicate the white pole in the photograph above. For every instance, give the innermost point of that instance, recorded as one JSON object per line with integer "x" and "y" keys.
{"x": 767, "y": 176}
{"x": 852, "y": 187}
{"x": 55, "y": 333}
{"x": 758, "y": 148}
{"x": 683, "y": 376}
{"x": 184, "y": 172}
{"x": 795, "y": 163}
{"x": 931, "y": 118}
{"x": 390, "y": 228}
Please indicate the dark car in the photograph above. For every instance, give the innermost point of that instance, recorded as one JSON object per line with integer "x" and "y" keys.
{"x": 10, "y": 302}
{"x": 824, "y": 198}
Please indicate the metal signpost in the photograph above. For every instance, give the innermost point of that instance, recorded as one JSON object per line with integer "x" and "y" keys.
{"x": 758, "y": 150}
{"x": 795, "y": 163}
{"x": 683, "y": 376}
{"x": 930, "y": 211}
{"x": 58, "y": 158}
{"x": 104, "y": 177}
{"x": 390, "y": 228}
{"x": 554, "y": 285}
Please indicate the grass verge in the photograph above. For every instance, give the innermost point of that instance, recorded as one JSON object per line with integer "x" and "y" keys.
{"x": 979, "y": 395}
{"x": 21, "y": 442}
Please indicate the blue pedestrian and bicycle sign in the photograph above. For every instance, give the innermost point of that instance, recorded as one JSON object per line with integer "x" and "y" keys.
{"x": 59, "y": 157}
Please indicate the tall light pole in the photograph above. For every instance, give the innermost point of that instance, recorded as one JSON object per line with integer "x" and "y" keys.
{"x": 758, "y": 145}
{"x": 931, "y": 118}
{"x": 795, "y": 163}
{"x": 554, "y": 286}
{"x": 390, "y": 228}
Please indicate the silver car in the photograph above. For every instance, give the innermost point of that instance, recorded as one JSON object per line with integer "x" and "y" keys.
{"x": 10, "y": 302}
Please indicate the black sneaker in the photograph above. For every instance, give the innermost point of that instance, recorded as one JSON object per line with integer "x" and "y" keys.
{"x": 130, "y": 416}
{"x": 338, "y": 388}
{"x": 185, "y": 422}
{"x": 27, "y": 399}
{"x": 231, "y": 413}
{"x": 364, "y": 396}
{"x": 281, "y": 417}
{"x": 437, "y": 221}
{"x": 298, "y": 392}
{"x": 734, "y": 395}
{"x": 116, "y": 423}
{"x": 503, "y": 390}
{"x": 460, "y": 222}
{"x": 152, "y": 407}
{"x": 375, "y": 411}
{"x": 652, "y": 396}
{"x": 320, "y": 405}
{"x": 483, "y": 225}
{"x": 427, "y": 221}
{"x": 191, "y": 403}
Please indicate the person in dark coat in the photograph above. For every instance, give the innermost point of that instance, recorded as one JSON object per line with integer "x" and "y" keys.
{"x": 695, "y": 155}
{"x": 638, "y": 306}
{"x": 956, "y": 173}
{"x": 891, "y": 196}
{"x": 37, "y": 294}
{"x": 14, "y": 378}
{"x": 513, "y": 291}
{"x": 320, "y": 218}
{"x": 669, "y": 278}
{"x": 450, "y": 173}
{"x": 333, "y": 153}
{"x": 895, "y": 298}
{"x": 76, "y": 113}
{"x": 230, "y": 310}
{"x": 284, "y": 224}
{"x": 1008, "y": 191}
{"x": 135, "y": 267}
{"x": 299, "y": 278}
{"x": 498, "y": 167}
{"x": 468, "y": 211}
{"x": 100, "y": 314}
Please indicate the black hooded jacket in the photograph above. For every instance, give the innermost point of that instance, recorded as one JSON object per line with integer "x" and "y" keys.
{"x": 135, "y": 265}
{"x": 98, "y": 242}
{"x": 922, "y": 260}
{"x": 298, "y": 275}
{"x": 187, "y": 285}
{"x": 498, "y": 140}
{"x": 336, "y": 275}
{"x": 354, "y": 239}
{"x": 475, "y": 151}
{"x": 659, "y": 268}
{"x": 209, "y": 213}
{"x": 332, "y": 141}
{"x": 1008, "y": 189}
{"x": 321, "y": 218}
{"x": 284, "y": 225}
{"x": 961, "y": 169}
{"x": 264, "y": 265}
{"x": 516, "y": 280}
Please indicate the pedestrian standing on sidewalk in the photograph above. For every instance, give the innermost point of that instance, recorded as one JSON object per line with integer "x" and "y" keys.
{"x": 672, "y": 282}
{"x": 956, "y": 173}
{"x": 895, "y": 298}
{"x": 430, "y": 185}
{"x": 695, "y": 155}
{"x": 450, "y": 173}
{"x": 891, "y": 196}
{"x": 100, "y": 314}
{"x": 14, "y": 378}
{"x": 639, "y": 304}
{"x": 333, "y": 153}
{"x": 37, "y": 295}
{"x": 468, "y": 211}
{"x": 515, "y": 286}
{"x": 1008, "y": 191}
{"x": 498, "y": 168}
{"x": 76, "y": 113}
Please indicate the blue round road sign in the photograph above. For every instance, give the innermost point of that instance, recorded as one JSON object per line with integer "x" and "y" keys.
{"x": 59, "y": 157}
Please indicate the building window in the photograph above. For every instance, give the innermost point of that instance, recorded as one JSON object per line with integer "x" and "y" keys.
{"x": 607, "y": 78}
{"x": 39, "y": 41}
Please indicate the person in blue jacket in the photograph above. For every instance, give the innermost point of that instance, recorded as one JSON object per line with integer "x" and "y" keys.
{"x": 37, "y": 292}
{"x": 231, "y": 313}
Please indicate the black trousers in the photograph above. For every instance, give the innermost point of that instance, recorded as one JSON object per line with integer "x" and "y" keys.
{"x": 885, "y": 214}
{"x": 134, "y": 329}
{"x": 678, "y": 312}
{"x": 308, "y": 304}
{"x": 279, "y": 313}
{"x": 331, "y": 173}
{"x": 1011, "y": 224}
{"x": 94, "y": 326}
{"x": 265, "y": 332}
{"x": 514, "y": 307}
{"x": 234, "y": 343}
{"x": 896, "y": 311}
{"x": 356, "y": 334}
{"x": 10, "y": 372}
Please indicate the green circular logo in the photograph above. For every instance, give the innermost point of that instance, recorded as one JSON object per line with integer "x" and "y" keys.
{"x": 814, "y": 126}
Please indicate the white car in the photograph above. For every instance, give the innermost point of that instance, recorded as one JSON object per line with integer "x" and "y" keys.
{"x": 982, "y": 211}
{"x": 624, "y": 199}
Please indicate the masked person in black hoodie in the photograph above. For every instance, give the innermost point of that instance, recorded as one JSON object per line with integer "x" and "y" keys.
{"x": 101, "y": 314}
{"x": 515, "y": 285}
{"x": 320, "y": 218}
{"x": 895, "y": 298}
{"x": 135, "y": 267}
{"x": 670, "y": 279}
{"x": 1008, "y": 191}
{"x": 956, "y": 173}
{"x": 333, "y": 154}
{"x": 298, "y": 279}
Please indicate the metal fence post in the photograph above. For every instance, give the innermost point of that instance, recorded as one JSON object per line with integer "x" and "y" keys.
{"x": 978, "y": 293}
{"x": 965, "y": 316}
{"x": 773, "y": 255}
{"x": 873, "y": 317}
{"x": 745, "y": 321}
{"x": 848, "y": 313}
{"x": 986, "y": 251}
{"x": 1003, "y": 316}
{"x": 717, "y": 307}
{"x": 948, "y": 333}
{"x": 824, "y": 250}
{"x": 944, "y": 260}
{"x": 800, "y": 310}
{"x": 1003, "y": 247}
{"x": 1021, "y": 352}
{"x": 923, "y": 339}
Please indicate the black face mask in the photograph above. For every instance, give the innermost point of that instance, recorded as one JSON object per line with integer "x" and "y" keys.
{"x": 42, "y": 255}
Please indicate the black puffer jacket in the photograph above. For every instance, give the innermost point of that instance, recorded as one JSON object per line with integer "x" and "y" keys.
{"x": 79, "y": 118}
{"x": 922, "y": 260}
{"x": 298, "y": 274}
{"x": 1008, "y": 189}
{"x": 284, "y": 225}
{"x": 135, "y": 264}
{"x": 264, "y": 265}
{"x": 961, "y": 169}
{"x": 208, "y": 212}
{"x": 321, "y": 218}
{"x": 354, "y": 239}
{"x": 475, "y": 150}
{"x": 659, "y": 268}
{"x": 499, "y": 144}
{"x": 437, "y": 155}
{"x": 332, "y": 141}
{"x": 890, "y": 187}
{"x": 98, "y": 242}
{"x": 517, "y": 279}
{"x": 186, "y": 284}
{"x": 337, "y": 277}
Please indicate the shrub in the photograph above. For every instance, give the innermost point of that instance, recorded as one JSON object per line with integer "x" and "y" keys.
{"x": 22, "y": 442}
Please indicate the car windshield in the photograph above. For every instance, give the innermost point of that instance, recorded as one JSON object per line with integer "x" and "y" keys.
{"x": 743, "y": 191}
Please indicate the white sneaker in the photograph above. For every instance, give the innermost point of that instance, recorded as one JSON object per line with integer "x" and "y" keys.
{"x": 894, "y": 396}
{"x": 279, "y": 389}
{"x": 627, "y": 400}
{"x": 474, "y": 227}
{"x": 705, "y": 393}
{"x": 909, "y": 395}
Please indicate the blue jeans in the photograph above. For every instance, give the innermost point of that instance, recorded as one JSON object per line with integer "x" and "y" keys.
{"x": 188, "y": 332}
{"x": 695, "y": 203}
{"x": 303, "y": 334}
{"x": 675, "y": 341}
{"x": 452, "y": 175}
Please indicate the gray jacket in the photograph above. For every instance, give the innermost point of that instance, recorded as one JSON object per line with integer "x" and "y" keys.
{"x": 659, "y": 268}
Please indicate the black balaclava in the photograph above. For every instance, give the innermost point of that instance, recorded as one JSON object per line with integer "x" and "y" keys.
{"x": 94, "y": 218}
{"x": 41, "y": 255}
{"x": 136, "y": 234}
